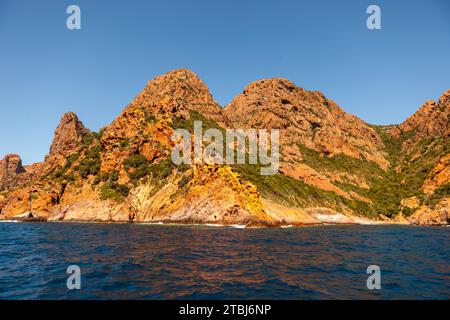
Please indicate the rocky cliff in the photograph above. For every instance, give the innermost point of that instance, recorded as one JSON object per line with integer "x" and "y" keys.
{"x": 10, "y": 170}
{"x": 420, "y": 149}
{"x": 335, "y": 168}
{"x": 329, "y": 156}
{"x": 307, "y": 118}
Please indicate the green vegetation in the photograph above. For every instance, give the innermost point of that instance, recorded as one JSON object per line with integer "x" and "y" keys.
{"x": 137, "y": 166}
{"x": 111, "y": 190}
{"x": 114, "y": 191}
{"x": 188, "y": 124}
{"x": 439, "y": 193}
{"x": 291, "y": 191}
{"x": 150, "y": 118}
{"x": 185, "y": 180}
{"x": 403, "y": 179}
{"x": 284, "y": 188}
{"x": 90, "y": 164}
{"x": 343, "y": 163}
{"x": 72, "y": 159}
{"x": 162, "y": 169}
{"x": 124, "y": 143}
{"x": 407, "y": 172}
{"x": 99, "y": 135}
{"x": 61, "y": 175}
{"x": 112, "y": 176}
{"x": 407, "y": 211}
{"x": 297, "y": 193}
{"x": 88, "y": 139}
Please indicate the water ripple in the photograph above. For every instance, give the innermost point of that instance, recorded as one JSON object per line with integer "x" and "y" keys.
{"x": 194, "y": 262}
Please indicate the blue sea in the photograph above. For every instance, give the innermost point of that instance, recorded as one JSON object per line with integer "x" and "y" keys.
{"x": 133, "y": 261}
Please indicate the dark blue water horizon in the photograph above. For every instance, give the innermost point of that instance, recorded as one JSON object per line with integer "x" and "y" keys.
{"x": 133, "y": 261}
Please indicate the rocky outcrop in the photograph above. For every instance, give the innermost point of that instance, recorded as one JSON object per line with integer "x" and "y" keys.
{"x": 423, "y": 162}
{"x": 91, "y": 210}
{"x": 431, "y": 119}
{"x": 304, "y": 117}
{"x": 35, "y": 201}
{"x": 321, "y": 145}
{"x": 305, "y": 173}
{"x": 145, "y": 126}
{"x": 331, "y": 166}
{"x": 214, "y": 195}
{"x": 439, "y": 176}
{"x": 13, "y": 174}
{"x": 10, "y": 168}
{"x": 68, "y": 136}
{"x": 437, "y": 215}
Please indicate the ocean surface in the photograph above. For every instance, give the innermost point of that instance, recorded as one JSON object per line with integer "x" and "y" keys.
{"x": 131, "y": 261}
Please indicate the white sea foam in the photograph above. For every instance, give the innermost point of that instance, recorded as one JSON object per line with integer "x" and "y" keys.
{"x": 151, "y": 223}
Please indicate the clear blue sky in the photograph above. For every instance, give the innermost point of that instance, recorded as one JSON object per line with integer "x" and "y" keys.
{"x": 381, "y": 76}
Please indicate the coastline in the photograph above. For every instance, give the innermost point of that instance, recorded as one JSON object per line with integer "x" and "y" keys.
{"x": 213, "y": 225}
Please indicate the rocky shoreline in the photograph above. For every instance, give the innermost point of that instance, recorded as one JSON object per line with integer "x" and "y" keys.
{"x": 322, "y": 220}
{"x": 180, "y": 223}
{"x": 334, "y": 168}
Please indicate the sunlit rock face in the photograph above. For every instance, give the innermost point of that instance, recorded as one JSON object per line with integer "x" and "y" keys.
{"x": 334, "y": 167}
{"x": 10, "y": 168}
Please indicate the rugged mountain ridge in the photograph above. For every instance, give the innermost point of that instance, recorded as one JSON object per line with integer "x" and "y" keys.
{"x": 306, "y": 118}
{"x": 334, "y": 166}
{"x": 421, "y": 162}
{"x": 321, "y": 144}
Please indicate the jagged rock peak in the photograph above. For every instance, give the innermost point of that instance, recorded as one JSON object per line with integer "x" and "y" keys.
{"x": 282, "y": 87}
{"x": 431, "y": 119}
{"x": 178, "y": 91}
{"x": 444, "y": 99}
{"x": 177, "y": 75}
{"x": 68, "y": 135}
{"x": 271, "y": 83}
{"x": 173, "y": 94}
{"x": 146, "y": 122}
{"x": 179, "y": 82}
{"x": 10, "y": 167}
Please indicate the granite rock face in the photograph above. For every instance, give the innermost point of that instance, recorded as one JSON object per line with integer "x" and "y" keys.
{"x": 425, "y": 153}
{"x": 68, "y": 136}
{"x": 305, "y": 117}
{"x": 431, "y": 119}
{"x": 335, "y": 168}
{"x": 10, "y": 168}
